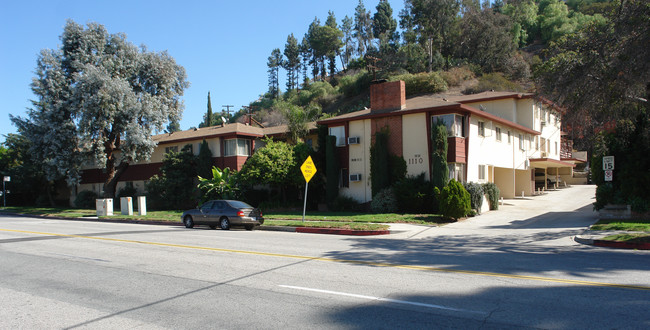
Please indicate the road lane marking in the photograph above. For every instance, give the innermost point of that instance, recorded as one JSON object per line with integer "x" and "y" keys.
{"x": 405, "y": 302}
{"x": 354, "y": 262}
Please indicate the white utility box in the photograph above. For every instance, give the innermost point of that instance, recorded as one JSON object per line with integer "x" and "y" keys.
{"x": 126, "y": 205}
{"x": 104, "y": 207}
{"x": 142, "y": 205}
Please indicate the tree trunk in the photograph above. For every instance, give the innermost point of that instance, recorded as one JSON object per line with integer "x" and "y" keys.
{"x": 114, "y": 174}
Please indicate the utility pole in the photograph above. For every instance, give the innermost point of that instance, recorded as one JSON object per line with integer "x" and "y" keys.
{"x": 228, "y": 109}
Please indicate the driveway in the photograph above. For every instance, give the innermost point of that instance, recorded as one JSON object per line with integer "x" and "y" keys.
{"x": 551, "y": 219}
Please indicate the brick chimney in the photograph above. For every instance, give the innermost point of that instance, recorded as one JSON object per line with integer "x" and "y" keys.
{"x": 387, "y": 95}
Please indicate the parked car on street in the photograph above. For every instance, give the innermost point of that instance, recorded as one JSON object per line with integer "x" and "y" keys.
{"x": 223, "y": 213}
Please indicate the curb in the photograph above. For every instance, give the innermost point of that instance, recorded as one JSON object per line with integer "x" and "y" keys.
{"x": 310, "y": 230}
{"x": 612, "y": 244}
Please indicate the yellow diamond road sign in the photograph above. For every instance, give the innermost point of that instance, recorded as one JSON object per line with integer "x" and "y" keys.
{"x": 308, "y": 169}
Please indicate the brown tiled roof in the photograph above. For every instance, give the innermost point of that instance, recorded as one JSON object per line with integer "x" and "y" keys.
{"x": 438, "y": 102}
{"x": 209, "y": 132}
{"x": 238, "y": 129}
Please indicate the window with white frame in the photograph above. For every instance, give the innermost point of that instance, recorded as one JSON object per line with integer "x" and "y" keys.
{"x": 481, "y": 128}
{"x": 171, "y": 149}
{"x": 456, "y": 171}
{"x": 497, "y": 132}
{"x": 481, "y": 172}
{"x": 537, "y": 143}
{"x": 237, "y": 147}
{"x": 339, "y": 133}
{"x": 556, "y": 147}
{"x": 455, "y": 124}
{"x": 522, "y": 145}
{"x": 509, "y": 137}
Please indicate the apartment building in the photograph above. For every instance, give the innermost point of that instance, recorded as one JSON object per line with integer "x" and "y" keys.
{"x": 511, "y": 139}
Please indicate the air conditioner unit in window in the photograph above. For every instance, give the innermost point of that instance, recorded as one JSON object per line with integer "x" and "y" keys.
{"x": 355, "y": 177}
{"x": 544, "y": 155}
{"x": 354, "y": 140}
{"x": 543, "y": 123}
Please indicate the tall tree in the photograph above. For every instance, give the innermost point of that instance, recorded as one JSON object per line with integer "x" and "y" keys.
{"x": 348, "y": 43}
{"x": 334, "y": 43}
{"x": 274, "y": 63}
{"x": 384, "y": 26}
{"x": 439, "y": 169}
{"x": 362, "y": 28}
{"x": 435, "y": 22}
{"x": 305, "y": 54}
{"x": 486, "y": 39}
{"x": 208, "y": 114}
{"x": 292, "y": 62}
{"x": 601, "y": 74}
{"x": 96, "y": 95}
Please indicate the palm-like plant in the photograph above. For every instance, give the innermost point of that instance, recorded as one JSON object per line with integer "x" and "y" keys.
{"x": 222, "y": 185}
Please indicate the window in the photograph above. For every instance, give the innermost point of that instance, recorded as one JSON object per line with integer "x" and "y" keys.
{"x": 521, "y": 142}
{"x": 344, "y": 180}
{"x": 556, "y": 147}
{"x": 456, "y": 171}
{"x": 481, "y": 172}
{"x": 537, "y": 143}
{"x": 455, "y": 124}
{"x": 237, "y": 147}
{"x": 509, "y": 135}
{"x": 481, "y": 128}
{"x": 497, "y": 131}
{"x": 171, "y": 149}
{"x": 339, "y": 132}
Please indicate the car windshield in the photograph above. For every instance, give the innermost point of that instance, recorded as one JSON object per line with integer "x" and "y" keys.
{"x": 239, "y": 205}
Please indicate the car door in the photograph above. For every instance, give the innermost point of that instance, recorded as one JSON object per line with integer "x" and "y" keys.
{"x": 218, "y": 210}
{"x": 206, "y": 211}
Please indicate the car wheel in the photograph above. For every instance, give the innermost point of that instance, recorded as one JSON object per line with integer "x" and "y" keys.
{"x": 250, "y": 227}
{"x": 224, "y": 223}
{"x": 188, "y": 222}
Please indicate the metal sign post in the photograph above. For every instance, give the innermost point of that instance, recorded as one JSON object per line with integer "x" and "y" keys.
{"x": 308, "y": 170}
{"x": 4, "y": 190}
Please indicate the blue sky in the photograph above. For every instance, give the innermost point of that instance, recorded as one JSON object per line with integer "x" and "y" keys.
{"x": 223, "y": 45}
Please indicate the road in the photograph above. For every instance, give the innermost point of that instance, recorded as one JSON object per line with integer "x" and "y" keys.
{"x": 87, "y": 275}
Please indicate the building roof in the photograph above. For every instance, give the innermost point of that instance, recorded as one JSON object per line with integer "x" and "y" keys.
{"x": 234, "y": 129}
{"x": 443, "y": 104}
{"x": 209, "y": 132}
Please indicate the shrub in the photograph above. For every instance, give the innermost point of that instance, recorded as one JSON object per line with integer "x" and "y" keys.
{"x": 344, "y": 203}
{"x": 493, "y": 81}
{"x": 396, "y": 168}
{"x": 384, "y": 202}
{"x": 457, "y": 75}
{"x": 414, "y": 194}
{"x": 353, "y": 85}
{"x": 475, "y": 191}
{"x": 85, "y": 200}
{"x": 422, "y": 83}
{"x": 493, "y": 194}
{"x": 455, "y": 201}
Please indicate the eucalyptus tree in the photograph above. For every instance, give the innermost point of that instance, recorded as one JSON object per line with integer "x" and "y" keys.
{"x": 292, "y": 62}
{"x": 273, "y": 64}
{"x": 348, "y": 44}
{"x": 435, "y": 22}
{"x": 99, "y": 99}
{"x": 362, "y": 28}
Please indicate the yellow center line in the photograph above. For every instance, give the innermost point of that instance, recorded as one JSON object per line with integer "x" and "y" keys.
{"x": 356, "y": 262}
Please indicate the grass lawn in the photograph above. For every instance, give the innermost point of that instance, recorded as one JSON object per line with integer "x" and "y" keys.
{"x": 618, "y": 224}
{"x": 639, "y": 227}
{"x": 340, "y": 220}
{"x": 358, "y": 217}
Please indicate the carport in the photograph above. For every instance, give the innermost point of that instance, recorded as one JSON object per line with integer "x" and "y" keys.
{"x": 549, "y": 173}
